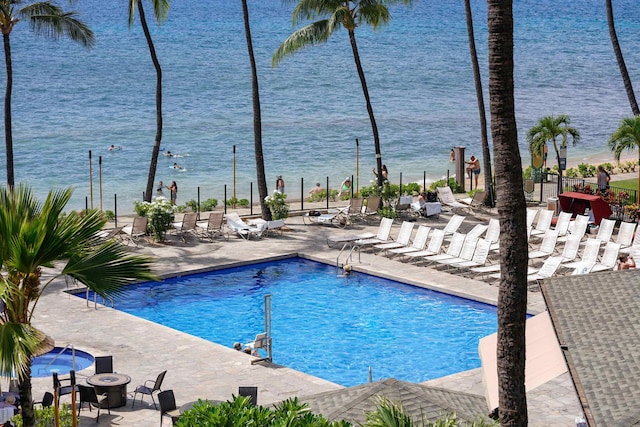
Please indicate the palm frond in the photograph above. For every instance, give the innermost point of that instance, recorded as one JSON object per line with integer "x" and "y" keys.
{"x": 17, "y": 343}
{"x": 312, "y": 9}
{"x": 626, "y": 137}
{"x": 49, "y": 20}
{"x": 160, "y": 10}
{"x": 388, "y": 414}
{"x": 373, "y": 13}
{"x": 132, "y": 11}
{"x": 318, "y": 32}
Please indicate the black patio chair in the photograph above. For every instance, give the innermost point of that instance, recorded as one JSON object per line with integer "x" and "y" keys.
{"x": 149, "y": 388}
{"x": 168, "y": 406}
{"x": 64, "y": 389}
{"x": 88, "y": 395}
{"x": 47, "y": 400}
{"x": 250, "y": 392}
{"x": 104, "y": 364}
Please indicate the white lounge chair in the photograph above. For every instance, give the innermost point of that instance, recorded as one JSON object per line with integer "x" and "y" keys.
{"x": 562, "y": 224}
{"x": 383, "y": 236}
{"x": 275, "y": 226}
{"x": 605, "y": 230}
{"x": 403, "y": 239}
{"x": 434, "y": 247}
{"x": 338, "y": 217}
{"x": 453, "y": 251}
{"x": 531, "y": 216}
{"x": 577, "y": 227}
{"x": 545, "y": 217}
{"x": 548, "y": 269}
{"x": 466, "y": 253}
{"x": 419, "y": 242}
{"x": 447, "y": 198}
{"x": 547, "y": 247}
{"x": 477, "y": 231}
{"x": 340, "y": 240}
{"x": 635, "y": 244}
{"x": 625, "y": 234}
{"x": 480, "y": 256}
{"x": 609, "y": 258}
{"x": 452, "y": 226}
{"x": 242, "y": 229}
{"x": 589, "y": 254}
{"x": 570, "y": 250}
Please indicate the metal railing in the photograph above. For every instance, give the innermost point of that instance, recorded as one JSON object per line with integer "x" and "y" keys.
{"x": 65, "y": 348}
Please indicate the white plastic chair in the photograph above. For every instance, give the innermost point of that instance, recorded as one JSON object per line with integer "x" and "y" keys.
{"x": 419, "y": 242}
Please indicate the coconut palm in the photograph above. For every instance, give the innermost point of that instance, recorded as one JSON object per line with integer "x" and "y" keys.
{"x": 486, "y": 152}
{"x": 626, "y": 137}
{"x": 45, "y": 19}
{"x": 620, "y": 59}
{"x": 549, "y": 129}
{"x": 160, "y": 10}
{"x": 512, "y": 295}
{"x": 348, "y": 14}
{"x": 257, "y": 120}
{"x": 35, "y": 235}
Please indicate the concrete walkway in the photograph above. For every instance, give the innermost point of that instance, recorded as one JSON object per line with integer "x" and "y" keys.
{"x": 201, "y": 369}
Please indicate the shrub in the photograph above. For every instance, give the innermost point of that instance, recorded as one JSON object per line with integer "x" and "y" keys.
{"x": 231, "y": 202}
{"x": 192, "y": 204}
{"x": 45, "y": 417}
{"x": 243, "y": 203}
{"x": 161, "y": 216}
{"x": 209, "y": 204}
{"x": 607, "y": 167}
{"x": 571, "y": 173}
{"x": 277, "y": 203}
{"x": 318, "y": 196}
{"x": 141, "y": 208}
{"x": 388, "y": 212}
{"x": 411, "y": 189}
{"x": 586, "y": 170}
{"x": 443, "y": 183}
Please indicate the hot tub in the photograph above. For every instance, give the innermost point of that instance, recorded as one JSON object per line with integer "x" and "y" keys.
{"x": 60, "y": 360}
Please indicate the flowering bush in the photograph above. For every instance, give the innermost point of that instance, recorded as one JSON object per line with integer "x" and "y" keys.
{"x": 277, "y": 203}
{"x": 161, "y": 214}
{"x": 632, "y": 210}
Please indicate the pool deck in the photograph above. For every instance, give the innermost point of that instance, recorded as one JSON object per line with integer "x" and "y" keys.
{"x": 201, "y": 369}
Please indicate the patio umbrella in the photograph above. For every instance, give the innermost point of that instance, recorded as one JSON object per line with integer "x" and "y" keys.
{"x": 46, "y": 344}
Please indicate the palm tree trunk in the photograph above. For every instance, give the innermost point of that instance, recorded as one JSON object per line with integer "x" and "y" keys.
{"x": 623, "y": 68}
{"x": 486, "y": 153}
{"x": 257, "y": 118}
{"x": 26, "y": 398}
{"x": 8, "y": 136}
{"x": 156, "y": 146}
{"x": 374, "y": 127}
{"x": 512, "y": 297}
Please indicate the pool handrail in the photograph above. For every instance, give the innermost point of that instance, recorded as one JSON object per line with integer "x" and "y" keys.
{"x": 95, "y": 299}
{"x": 73, "y": 357}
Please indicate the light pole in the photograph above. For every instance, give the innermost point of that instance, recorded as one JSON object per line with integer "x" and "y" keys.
{"x": 357, "y": 173}
{"x": 234, "y": 171}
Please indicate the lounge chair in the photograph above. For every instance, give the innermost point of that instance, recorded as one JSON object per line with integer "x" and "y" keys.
{"x": 403, "y": 207}
{"x": 466, "y": 253}
{"x": 609, "y": 258}
{"x": 452, "y": 226}
{"x": 275, "y": 226}
{"x": 480, "y": 256}
{"x": 403, "y": 239}
{"x": 186, "y": 226}
{"x": 134, "y": 232}
{"x": 547, "y": 247}
{"x": 548, "y": 269}
{"x": 242, "y": 229}
{"x": 625, "y": 234}
{"x": 589, "y": 254}
{"x": 545, "y": 217}
{"x": 338, "y": 217}
{"x": 149, "y": 388}
{"x": 447, "y": 198}
{"x": 341, "y": 240}
{"x": 570, "y": 250}
{"x": 213, "y": 227}
{"x": 577, "y": 227}
{"x": 477, "y": 230}
{"x": 635, "y": 244}
{"x": 562, "y": 224}
{"x": 112, "y": 234}
{"x": 434, "y": 247}
{"x": 419, "y": 242}
{"x": 453, "y": 251}
{"x": 531, "y": 216}
{"x": 372, "y": 205}
{"x": 383, "y": 235}
{"x": 355, "y": 212}
{"x": 475, "y": 202}
{"x": 605, "y": 230}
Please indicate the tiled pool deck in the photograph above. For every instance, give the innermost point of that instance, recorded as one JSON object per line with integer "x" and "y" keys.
{"x": 201, "y": 369}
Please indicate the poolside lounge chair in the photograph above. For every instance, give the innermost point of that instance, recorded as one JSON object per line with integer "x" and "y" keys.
{"x": 372, "y": 204}
{"x": 625, "y": 234}
{"x": 480, "y": 256}
{"x": 447, "y": 198}
{"x": 419, "y": 242}
{"x": 577, "y": 227}
{"x": 548, "y": 269}
{"x": 335, "y": 241}
{"x": 475, "y": 202}
{"x": 609, "y": 258}
{"x": 562, "y": 224}
{"x": 547, "y": 247}
{"x": 338, "y": 217}
{"x": 453, "y": 251}
{"x": 275, "y": 227}
{"x": 545, "y": 217}
{"x": 213, "y": 227}
{"x": 635, "y": 244}
{"x": 88, "y": 395}
{"x": 466, "y": 253}
{"x": 434, "y": 247}
{"x": 383, "y": 236}
{"x": 477, "y": 230}
{"x": 149, "y": 387}
{"x": 531, "y": 216}
{"x": 134, "y": 232}
{"x": 452, "y": 226}
{"x": 355, "y": 212}
{"x": 403, "y": 207}
{"x": 570, "y": 250}
{"x": 589, "y": 254}
{"x": 242, "y": 229}
{"x": 186, "y": 226}
{"x": 112, "y": 234}
{"x": 403, "y": 239}
{"x": 605, "y": 230}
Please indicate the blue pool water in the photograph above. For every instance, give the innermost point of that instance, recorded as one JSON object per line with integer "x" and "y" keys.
{"x": 60, "y": 361}
{"x": 326, "y": 326}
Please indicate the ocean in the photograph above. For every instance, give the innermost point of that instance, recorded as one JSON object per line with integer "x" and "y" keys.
{"x": 68, "y": 101}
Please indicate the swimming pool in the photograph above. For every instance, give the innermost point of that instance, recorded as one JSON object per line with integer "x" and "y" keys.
{"x": 330, "y": 327}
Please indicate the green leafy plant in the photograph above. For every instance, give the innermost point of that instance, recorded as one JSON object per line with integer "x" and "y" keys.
{"x": 231, "y": 202}
{"x": 161, "y": 214}
{"x": 388, "y": 212}
{"x": 243, "y": 203}
{"x": 443, "y": 183}
{"x": 411, "y": 189}
{"x": 209, "y": 205}
{"x": 277, "y": 203}
{"x": 607, "y": 167}
{"x": 586, "y": 170}
{"x": 571, "y": 173}
{"x": 141, "y": 208}
{"x": 192, "y": 204}
{"x": 45, "y": 417}
{"x": 110, "y": 215}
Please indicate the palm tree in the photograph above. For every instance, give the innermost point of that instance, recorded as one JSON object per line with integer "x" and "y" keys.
{"x": 621, "y": 64}
{"x": 548, "y": 129}
{"x": 486, "y": 153}
{"x": 348, "y": 14}
{"x": 160, "y": 10}
{"x": 627, "y": 136}
{"x": 257, "y": 118}
{"x": 45, "y": 19}
{"x": 35, "y": 235}
{"x": 512, "y": 295}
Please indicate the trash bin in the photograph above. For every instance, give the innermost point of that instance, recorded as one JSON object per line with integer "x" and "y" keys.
{"x": 552, "y": 205}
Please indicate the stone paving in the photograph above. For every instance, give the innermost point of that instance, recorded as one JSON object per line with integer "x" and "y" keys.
{"x": 202, "y": 369}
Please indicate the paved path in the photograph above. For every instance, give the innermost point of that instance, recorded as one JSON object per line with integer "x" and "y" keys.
{"x": 201, "y": 369}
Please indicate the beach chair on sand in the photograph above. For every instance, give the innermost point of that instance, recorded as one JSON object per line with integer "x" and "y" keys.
{"x": 447, "y": 198}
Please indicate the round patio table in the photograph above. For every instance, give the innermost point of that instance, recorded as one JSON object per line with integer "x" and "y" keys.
{"x": 114, "y": 385}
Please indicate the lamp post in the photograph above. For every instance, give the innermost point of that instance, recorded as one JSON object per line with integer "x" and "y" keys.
{"x": 90, "y": 181}
{"x": 100, "y": 173}
{"x": 234, "y": 171}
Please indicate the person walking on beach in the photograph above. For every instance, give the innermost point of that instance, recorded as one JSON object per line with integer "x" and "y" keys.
{"x": 473, "y": 168}
{"x": 603, "y": 179}
{"x": 280, "y": 184}
{"x": 174, "y": 192}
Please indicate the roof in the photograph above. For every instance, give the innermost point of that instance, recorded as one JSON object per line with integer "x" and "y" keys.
{"x": 597, "y": 321}
{"x": 420, "y": 401}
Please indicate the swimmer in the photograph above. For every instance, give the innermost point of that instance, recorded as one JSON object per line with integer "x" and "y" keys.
{"x": 237, "y": 346}
{"x": 168, "y": 154}
{"x": 114, "y": 147}
{"x": 177, "y": 166}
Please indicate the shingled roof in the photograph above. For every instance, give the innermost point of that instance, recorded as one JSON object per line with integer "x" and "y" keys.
{"x": 597, "y": 321}
{"x": 420, "y": 401}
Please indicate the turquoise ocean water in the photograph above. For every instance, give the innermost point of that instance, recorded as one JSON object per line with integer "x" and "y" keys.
{"x": 68, "y": 100}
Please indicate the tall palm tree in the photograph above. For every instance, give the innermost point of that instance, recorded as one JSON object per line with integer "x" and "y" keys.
{"x": 626, "y": 137}
{"x": 549, "y": 129}
{"x": 619, "y": 58}
{"x": 257, "y": 118}
{"x": 160, "y": 10}
{"x": 512, "y": 295}
{"x": 45, "y": 19}
{"x": 486, "y": 153}
{"x": 348, "y": 14}
{"x": 35, "y": 235}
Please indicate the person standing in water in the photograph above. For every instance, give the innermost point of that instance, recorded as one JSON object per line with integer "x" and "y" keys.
{"x": 280, "y": 184}
{"x": 174, "y": 192}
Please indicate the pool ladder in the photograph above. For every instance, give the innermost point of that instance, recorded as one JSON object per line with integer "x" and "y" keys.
{"x": 73, "y": 357}
{"x": 95, "y": 299}
{"x": 352, "y": 248}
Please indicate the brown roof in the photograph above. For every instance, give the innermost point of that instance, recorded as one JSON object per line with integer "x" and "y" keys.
{"x": 597, "y": 321}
